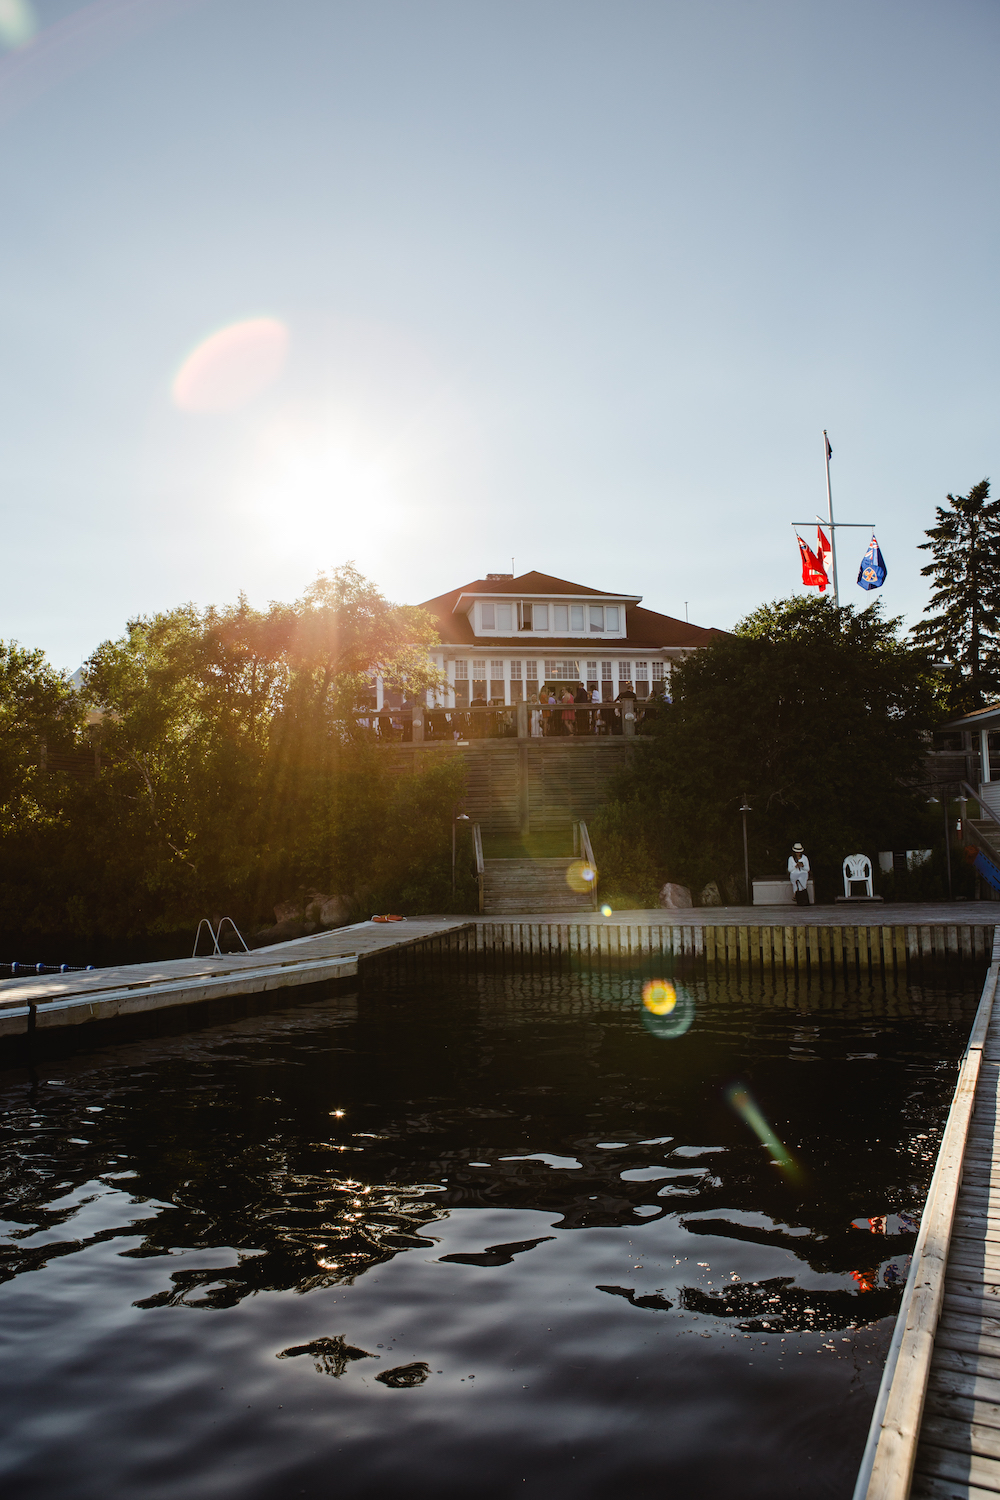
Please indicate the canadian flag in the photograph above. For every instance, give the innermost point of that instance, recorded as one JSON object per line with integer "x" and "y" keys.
{"x": 823, "y": 550}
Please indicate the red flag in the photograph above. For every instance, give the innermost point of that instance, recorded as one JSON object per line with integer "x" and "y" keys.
{"x": 813, "y": 572}
{"x": 823, "y": 551}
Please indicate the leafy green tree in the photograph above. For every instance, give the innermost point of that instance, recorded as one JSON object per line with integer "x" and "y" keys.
{"x": 234, "y": 772}
{"x": 963, "y": 635}
{"x": 816, "y": 714}
{"x": 39, "y": 711}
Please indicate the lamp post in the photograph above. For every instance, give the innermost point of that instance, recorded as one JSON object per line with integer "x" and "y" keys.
{"x": 746, "y": 850}
{"x": 456, "y": 818}
{"x": 947, "y": 838}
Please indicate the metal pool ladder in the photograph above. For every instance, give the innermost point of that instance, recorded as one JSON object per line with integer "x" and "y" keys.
{"x": 215, "y": 933}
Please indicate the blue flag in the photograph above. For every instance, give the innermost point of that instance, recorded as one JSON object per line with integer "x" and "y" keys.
{"x": 871, "y": 574}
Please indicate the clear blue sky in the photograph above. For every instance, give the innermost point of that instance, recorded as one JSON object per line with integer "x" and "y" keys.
{"x": 575, "y": 282}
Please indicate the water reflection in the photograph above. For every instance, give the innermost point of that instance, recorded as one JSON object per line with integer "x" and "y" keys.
{"x": 503, "y": 1175}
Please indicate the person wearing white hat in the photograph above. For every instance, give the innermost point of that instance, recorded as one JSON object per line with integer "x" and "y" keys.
{"x": 798, "y": 874}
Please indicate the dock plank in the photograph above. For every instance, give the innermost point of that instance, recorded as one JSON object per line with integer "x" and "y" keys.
{"x": 936, "y": 1427}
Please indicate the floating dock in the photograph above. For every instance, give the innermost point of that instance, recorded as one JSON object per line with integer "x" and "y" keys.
{"x": 877, "y": 939}
{"x": 46, "y": 1002}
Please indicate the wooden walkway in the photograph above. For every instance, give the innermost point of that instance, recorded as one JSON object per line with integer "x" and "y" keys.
{"x": 46, "y": 1002}
{"x": 935, "y": 1433}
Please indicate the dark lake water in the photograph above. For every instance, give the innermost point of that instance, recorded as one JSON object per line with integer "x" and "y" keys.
{"x": 481, "y": 1235}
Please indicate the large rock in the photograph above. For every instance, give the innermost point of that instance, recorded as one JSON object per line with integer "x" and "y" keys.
{"x": 281, "y": 932}
{"x": 288, "y": 911}
{"x": 335, "y": 912}
{"x": 710, "y": 896}
{"x": 675, "y": 897}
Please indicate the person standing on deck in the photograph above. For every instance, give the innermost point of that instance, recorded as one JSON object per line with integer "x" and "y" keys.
{"x": 798, "y": 874}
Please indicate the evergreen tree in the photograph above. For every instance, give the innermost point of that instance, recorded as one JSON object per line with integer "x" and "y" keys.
{"x": 965, "y": 545}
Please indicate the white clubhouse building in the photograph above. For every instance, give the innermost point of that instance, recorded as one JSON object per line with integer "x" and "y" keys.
{"x": 503, "y": 637}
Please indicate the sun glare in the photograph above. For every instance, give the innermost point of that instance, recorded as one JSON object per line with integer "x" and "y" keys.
{"x": 18, "y": 23}
{"x": 229, "y": 368}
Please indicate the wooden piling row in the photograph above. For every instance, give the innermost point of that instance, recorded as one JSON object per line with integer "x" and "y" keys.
{"x": 853, "y": 949}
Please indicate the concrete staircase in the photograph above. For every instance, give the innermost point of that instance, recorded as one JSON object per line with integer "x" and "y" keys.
{"x": 513, "y": 886}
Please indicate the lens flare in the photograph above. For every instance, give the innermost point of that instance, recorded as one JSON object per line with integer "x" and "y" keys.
{"x": 668, "y": 1009}
{"x": 748, "y": 1111}
{"x": 18, "y": 23}
{"x": 229, "y": 368}
{"x": 605, "y": 911}
{"x": 659, "y": 996}
{"x": 581, "y": 876}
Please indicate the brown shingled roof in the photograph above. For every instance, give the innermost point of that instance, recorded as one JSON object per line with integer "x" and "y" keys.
{"x": 645, "y": 629}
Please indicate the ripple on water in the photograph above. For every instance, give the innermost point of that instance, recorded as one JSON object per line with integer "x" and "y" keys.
{"x": 411, "y": 1246}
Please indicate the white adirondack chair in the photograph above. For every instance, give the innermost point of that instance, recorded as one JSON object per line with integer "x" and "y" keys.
{"x": 858, "y": 871}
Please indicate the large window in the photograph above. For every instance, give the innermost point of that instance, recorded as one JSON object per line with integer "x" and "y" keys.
{"x": 611, "y": 616}
{"x": 596, "y": 617}
{"x": 576, "y": 617}
{"x": 560, "y": 618}
{"x": 532, "y": 616}
{"x": 605, "y": 671}
{"x": 642, "y": 671}
{"x": 496, "y": 670}
{"x": 496, "y": 616}
{"x": 624, "y": 671}
{"x": 479, "y": 671}
{"x": 461, "y": 671}
{"x": 515, "y": 671}
{"x": 657, "y": 671}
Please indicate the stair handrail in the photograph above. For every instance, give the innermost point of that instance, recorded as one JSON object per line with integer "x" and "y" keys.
{"x": 588, "y": 854}
{"x": 477, "y": 843}
{"x": 983, "y": 806}
{"x": 215, "y": 933}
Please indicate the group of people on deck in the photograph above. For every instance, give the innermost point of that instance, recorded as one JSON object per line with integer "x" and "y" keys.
{"x": 570, "y": 709}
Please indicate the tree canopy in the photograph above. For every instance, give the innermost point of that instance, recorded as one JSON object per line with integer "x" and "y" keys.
{"x": 234, "y": 773}
{"x": 816, "y": 714}
{"x": 963, "y": 634}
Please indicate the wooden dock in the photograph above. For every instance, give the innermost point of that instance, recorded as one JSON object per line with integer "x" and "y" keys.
{"x": 878, "y": 939}
{"x": 834, "y": 939}
{"x": 46, "y": 1002}
{"x": 935, "y": 1433}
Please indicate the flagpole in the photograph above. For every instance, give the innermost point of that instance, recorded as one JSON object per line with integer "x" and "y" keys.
{"x": 829, "y": 507}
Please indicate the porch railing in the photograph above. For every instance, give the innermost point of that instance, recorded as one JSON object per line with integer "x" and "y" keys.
{"x": 503, "y": 721}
